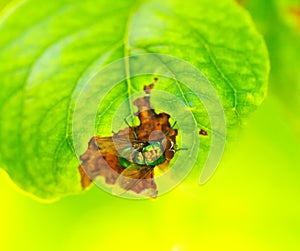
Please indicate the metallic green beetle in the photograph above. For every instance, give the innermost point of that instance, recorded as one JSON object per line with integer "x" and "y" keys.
{"x": 143, "y": 153}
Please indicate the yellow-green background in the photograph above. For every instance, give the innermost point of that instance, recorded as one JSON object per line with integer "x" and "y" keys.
{"x": 251, "y": 203}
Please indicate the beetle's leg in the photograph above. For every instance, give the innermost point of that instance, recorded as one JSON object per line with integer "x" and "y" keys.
{"x": 134, "y": 132}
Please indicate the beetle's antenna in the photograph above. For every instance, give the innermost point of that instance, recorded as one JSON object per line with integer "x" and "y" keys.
{"x": 133, "y": 131}
{"x": 179, "y": 149}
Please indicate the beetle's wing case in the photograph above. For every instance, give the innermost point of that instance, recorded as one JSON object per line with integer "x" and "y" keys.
{"x": 105, "y": 144}
{"x": 154, "y": 153}
{"x": 137, "y": 178}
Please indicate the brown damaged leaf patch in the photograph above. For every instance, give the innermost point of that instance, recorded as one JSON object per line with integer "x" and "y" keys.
{"x": 102, "y": 157}
{"x": 203, "y": 132}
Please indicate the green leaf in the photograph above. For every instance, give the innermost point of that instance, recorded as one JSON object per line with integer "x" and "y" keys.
{"x": 279, "y": 21}
{"x": 50, "y": 50}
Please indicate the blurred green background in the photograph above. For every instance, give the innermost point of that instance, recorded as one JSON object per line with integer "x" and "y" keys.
{"x": 251, "y": 203}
